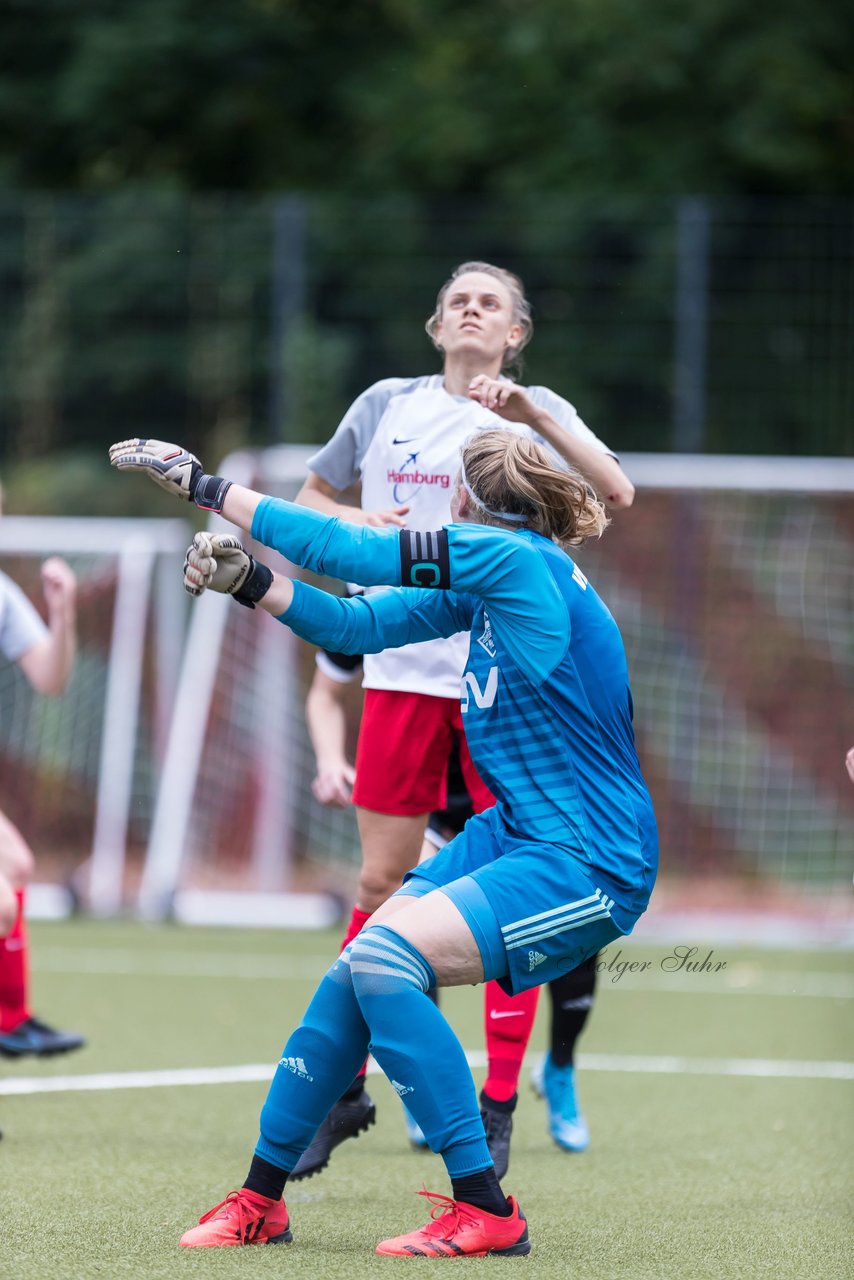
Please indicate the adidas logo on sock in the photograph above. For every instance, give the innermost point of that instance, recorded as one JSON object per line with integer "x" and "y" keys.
{"x": 297, "y": 1066}
{"x": 401, "y": 1089}
{"x": 535, "y": 958}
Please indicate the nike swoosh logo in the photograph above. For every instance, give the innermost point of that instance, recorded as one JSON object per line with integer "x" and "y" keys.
{"x": 408, "y": 440}
{"x": 494, "y": 1015}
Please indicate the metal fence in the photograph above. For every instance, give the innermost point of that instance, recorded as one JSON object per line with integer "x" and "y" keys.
{"x": 690, "y": 324}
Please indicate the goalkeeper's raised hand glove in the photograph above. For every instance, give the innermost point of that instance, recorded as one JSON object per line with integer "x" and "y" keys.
{"x": 175, "y": 469}
{"x": 217, "y": 562}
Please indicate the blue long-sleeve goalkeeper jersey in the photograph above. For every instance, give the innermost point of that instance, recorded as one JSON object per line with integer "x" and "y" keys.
{"x": 545, "y": 692}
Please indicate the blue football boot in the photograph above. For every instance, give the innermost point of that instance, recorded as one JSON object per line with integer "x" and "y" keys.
{"x": 566, "y": 1123}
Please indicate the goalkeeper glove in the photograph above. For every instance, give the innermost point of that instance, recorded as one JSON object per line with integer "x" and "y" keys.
{"x": 217, "y": 561}
{"x": 173, "y": 468}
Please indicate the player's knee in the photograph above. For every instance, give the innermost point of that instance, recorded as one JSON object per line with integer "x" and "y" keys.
{"x": 16, "y": 862}
{"x": 8, "y": 907}
{"x": 375, "y": 886}
{"x": 383, "y": 963}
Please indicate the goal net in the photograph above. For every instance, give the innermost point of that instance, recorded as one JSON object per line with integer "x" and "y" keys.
{"x": 78, "y": 773}
{"x": 731, "y": 581}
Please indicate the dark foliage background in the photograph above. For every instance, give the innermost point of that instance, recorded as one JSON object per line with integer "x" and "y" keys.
{"x": 222, "y": 220}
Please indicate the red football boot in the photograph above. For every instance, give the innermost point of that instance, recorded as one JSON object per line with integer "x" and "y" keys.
{"x": 243, "y": 1217}
{"x": 458, "y": 1230}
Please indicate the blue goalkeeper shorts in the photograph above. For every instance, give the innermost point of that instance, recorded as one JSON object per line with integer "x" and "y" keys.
{"x": 535, "y": 910}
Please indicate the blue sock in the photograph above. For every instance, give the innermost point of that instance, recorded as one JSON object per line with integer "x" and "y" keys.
{"x": 416, "y": 1048}
{"x": 317, "y": 1064}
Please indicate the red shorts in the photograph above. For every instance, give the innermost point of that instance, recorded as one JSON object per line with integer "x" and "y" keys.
{"x": 405, "y": 741}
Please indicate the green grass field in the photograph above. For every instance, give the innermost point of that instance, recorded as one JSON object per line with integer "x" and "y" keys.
{"x": 696, "y": 1169}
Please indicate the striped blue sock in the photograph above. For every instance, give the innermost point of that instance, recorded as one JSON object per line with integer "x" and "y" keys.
{"x": 416, "y": 1047}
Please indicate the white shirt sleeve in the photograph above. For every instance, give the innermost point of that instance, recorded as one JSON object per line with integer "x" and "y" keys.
{"x": 21, "y": 628}
{"x": 339, "y": 462}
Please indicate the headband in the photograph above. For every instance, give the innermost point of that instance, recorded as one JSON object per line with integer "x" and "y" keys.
{"x": 513, "y": 516}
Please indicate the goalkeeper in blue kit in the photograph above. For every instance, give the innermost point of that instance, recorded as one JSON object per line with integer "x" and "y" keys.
{"x": 561, "y": 866}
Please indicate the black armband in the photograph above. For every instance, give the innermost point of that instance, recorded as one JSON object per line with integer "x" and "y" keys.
{"x": 425, "y": 559}
{"x": 255, "y": 585}
{"x": 209, "y": 492}
{"x": 347, "y": 663}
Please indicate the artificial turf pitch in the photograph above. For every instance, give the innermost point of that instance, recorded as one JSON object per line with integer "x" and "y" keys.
{"x": 695, "y": 1168}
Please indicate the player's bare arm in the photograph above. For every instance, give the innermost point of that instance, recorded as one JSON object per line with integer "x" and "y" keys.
{"x": 323, "y": 497}
{"x": 603, "y": 471}
{"x": 48, "y": 665}
{"x": 512, "y": 403}
{"x": 326, "y": 718}
{"x": 8, "y": 906}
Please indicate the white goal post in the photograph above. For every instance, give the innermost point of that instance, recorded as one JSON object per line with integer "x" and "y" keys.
{"x": 743, "y": 473}
{"x": 251, "y": 794}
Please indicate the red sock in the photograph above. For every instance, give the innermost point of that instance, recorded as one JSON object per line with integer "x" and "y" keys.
{"x": 509, "y": 1021}
{"x": 358, "y": 920}
{"x": 13, "y": 972}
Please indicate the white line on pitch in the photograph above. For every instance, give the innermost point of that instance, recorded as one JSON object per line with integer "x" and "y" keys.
{"x": 254, "y": 1072}
{"x": 670, "y": 1065}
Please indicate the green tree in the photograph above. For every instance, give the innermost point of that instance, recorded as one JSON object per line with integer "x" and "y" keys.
{"x": 430, "y": 96}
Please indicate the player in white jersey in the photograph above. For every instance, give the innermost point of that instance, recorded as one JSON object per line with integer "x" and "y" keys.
{"x": 45, "y": 655}
{"x": 401, "y": 439}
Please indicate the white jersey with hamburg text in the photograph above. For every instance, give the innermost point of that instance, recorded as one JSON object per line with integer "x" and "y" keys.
{"x": 402, "y": 438}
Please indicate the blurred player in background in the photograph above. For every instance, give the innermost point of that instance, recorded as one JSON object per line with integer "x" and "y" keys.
{"x": 45, "y": 654}
{"x": 402, "y": 439}
{"x": 562, "y": 864}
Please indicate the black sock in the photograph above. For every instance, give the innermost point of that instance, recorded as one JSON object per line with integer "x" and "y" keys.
{"x": 572, "y": 1000}
{"x": 492, "y": 1104}
{"x": 266, "y": 1179}
{"x": 483, "y": 1190}
{"x": 352, "y": 1091}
